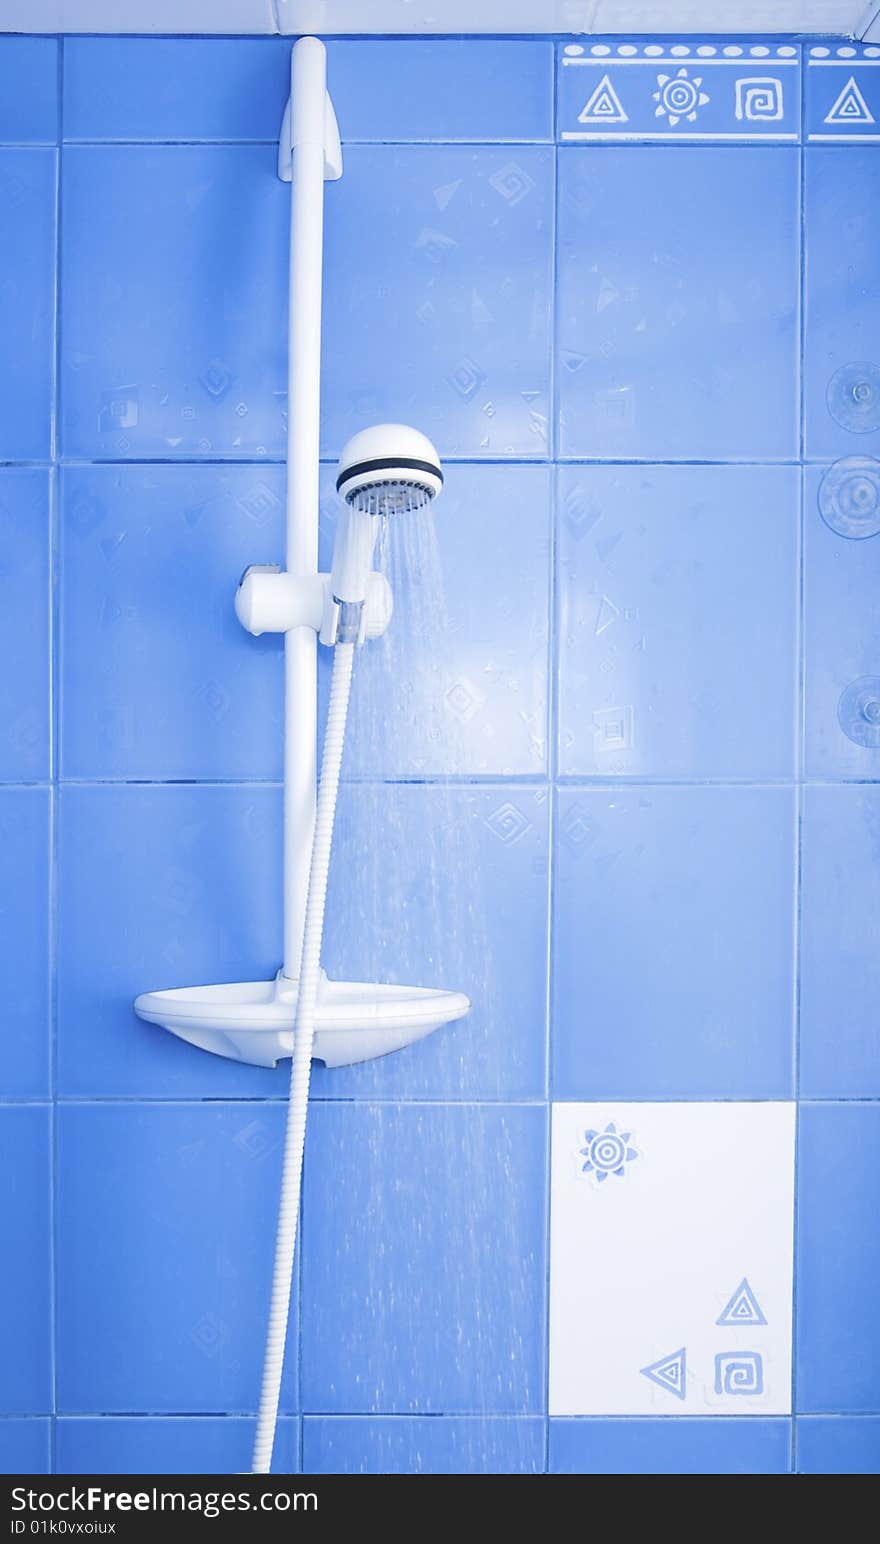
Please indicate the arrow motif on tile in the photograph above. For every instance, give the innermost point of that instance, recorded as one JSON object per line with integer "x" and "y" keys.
{"x": 669, "y": 1372}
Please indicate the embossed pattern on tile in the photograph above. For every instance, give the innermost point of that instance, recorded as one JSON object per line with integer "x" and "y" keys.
{"x": 692, "y": 355}
{"x": 674, "y": 933}
{"x": 444, "y": 319}
{"x": 163, "y": 548}
{"x": 657, "y": 567}
{"x": 671, "y": 1259}
{"x": 679, "y": 90}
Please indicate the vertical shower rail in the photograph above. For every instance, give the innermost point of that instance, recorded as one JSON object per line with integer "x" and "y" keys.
{"x": 309, "y": 154}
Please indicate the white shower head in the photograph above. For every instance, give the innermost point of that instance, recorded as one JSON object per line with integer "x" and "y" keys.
{"x": 389, "y": 469}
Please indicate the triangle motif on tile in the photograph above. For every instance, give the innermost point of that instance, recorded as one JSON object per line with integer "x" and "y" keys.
{"x": 604, "y": 105}
{"x": 742, "y": 1307}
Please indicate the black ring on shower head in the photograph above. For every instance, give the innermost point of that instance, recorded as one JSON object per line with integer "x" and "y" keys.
{"x": 386, "y": 464}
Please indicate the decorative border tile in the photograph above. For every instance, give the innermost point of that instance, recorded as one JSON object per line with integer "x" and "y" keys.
{"x": 842, "y": 93}
{"x": 668, "y": 90}
{"x": 671, "y": 1258}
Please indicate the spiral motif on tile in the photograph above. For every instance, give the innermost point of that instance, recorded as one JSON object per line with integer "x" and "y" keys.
{"x": 739, "y": 1372}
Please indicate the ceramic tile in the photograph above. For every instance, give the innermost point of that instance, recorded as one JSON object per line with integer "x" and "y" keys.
{"x": 691, "y": 355}
{"x": 190, "y": 1444}
{"x": 671, "y": 1259}
{"x": 674, "y": 934}
{"x": 24, "y": 941}
{"x": 166, "y": 1222}
{"x": 841, "y": 367}
{"x": 691, "y": 1446}
{"x": 339, "y": 1444}
{"x": 424, "y": 1296}
{"x": 156, "y": 553}
{"x": 24, "y": 624}
{"x": 27, "y": 301}
{"x": 840, "y": 972}
{"x": 26, "y": 1319}
{"x": 656, "y": 568}
{"x": 838, "y": 1350}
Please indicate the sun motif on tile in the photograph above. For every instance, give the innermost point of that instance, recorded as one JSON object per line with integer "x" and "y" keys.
{"x": 607, "y": 1152}
{"x": 679, "y": 96}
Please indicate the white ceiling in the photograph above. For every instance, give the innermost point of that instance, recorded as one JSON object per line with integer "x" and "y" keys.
{"x": 855, "y": 17}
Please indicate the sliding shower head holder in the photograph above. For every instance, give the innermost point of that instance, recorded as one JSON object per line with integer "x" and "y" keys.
{"x": 268, "y": 600}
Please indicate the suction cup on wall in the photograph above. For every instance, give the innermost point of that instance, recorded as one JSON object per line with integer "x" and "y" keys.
{"x": 853, "y": 397}
{"x": 858, "y": 712}
{"x": 849, "y": 497}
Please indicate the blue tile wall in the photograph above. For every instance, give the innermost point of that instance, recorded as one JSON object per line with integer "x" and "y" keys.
{"x": 27, "y": 300}
{"x": 677, "y": 303}
{"x": 613, "y": 771}
{"x": 25, "y": 1222}
{"x": 674, "y": 924}
{"x": 691, "y": 1446}
{"x": 174, "y": 1444}
{"x": 838, "y": 1444}
{"x": 158, "y": 1313}
{"x": 25, "y": 703}
{"x": 838, "y": 1256}
{"x": 25, "y": 1445}
{"x": 470, "y": 1444}
{"x": 443, "y": 1319}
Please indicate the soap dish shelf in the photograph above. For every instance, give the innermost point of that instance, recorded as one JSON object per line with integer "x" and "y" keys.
{"x": 252, "y": 1021}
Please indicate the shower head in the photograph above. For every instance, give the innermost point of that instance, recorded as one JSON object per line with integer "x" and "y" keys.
{"x": 386, "y": 470}
{"x": 389, "y": 470}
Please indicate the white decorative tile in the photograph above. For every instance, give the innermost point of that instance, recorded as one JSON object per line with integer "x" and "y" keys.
{"x": 671, "y": 1259}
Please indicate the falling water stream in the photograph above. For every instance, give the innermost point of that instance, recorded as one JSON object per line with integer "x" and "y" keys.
{"x": 437, "y": 1288}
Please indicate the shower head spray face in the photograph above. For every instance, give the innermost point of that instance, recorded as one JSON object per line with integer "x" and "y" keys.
{"x": 386, "y": 470}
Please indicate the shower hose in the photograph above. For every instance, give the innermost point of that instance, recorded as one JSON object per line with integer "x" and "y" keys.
{"x": 300, "y": 1067}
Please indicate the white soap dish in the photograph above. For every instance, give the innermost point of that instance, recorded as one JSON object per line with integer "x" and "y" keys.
{"x": 252, "y": 1021}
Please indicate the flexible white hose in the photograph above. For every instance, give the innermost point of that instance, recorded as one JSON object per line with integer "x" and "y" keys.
{"x": 301, "y": 1063}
